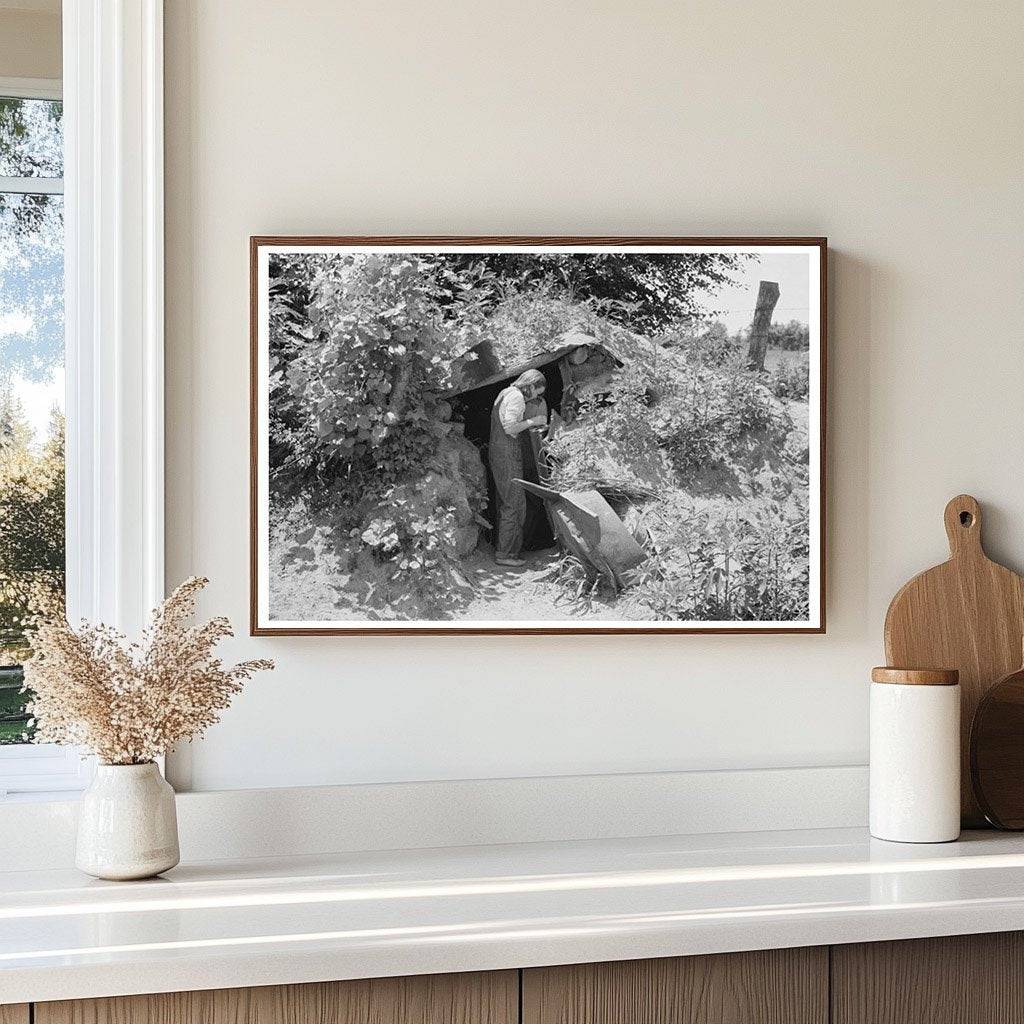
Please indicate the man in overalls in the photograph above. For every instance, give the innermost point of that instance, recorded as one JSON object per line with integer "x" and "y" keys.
{"x": 505, "y": 454}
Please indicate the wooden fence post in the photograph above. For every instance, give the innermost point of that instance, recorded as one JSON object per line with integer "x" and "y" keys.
{"x": 767, "y": 296}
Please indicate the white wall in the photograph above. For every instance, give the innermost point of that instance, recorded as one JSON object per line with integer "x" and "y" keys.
{"x": 895, "y": 129}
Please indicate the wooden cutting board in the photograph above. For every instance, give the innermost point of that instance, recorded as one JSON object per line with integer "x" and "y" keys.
{"x": 967, "y": 614}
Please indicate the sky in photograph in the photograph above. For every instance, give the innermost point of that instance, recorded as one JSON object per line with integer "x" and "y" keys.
{"x": 736, "y": 301}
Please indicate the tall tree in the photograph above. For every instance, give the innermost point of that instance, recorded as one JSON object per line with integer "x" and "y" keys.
{"x": 646, "y": 292}
{"x": 31, "y": 524}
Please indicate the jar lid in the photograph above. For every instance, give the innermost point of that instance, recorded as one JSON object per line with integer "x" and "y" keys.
{"x": 916, "y": 676}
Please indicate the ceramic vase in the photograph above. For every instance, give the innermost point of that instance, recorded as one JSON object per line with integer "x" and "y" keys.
{"x": 127, "y": 825}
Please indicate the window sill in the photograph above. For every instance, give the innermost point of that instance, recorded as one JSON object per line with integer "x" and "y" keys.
{"x": 42, "y": 771}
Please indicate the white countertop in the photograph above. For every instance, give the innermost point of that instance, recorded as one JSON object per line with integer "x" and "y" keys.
{"x": 261, "y": 922}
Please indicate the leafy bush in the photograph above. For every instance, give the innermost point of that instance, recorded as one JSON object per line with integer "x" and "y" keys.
{"x": 527, "y": 321}
{"x": 716, "y": 418}
{"x": 791, "y": 378}
{"x": 790, "y": 337}
{"x": 421, "y": 528}
{"x": 688, "y": 433}
{"x": 724, "y": 559}
{"x": 359, "y": 385}
{"x": 360, "y": 350}
{"x": 418, "y": 548}
{"x": 746, "y": 560}
{"x": 400, "y": 560}
{"x": 739, "y": 555}
{"x": 359, "y": 362}
{"x": 710, "y": 345}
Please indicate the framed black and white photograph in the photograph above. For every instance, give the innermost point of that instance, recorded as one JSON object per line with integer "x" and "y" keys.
{"x": 537, "y": 435}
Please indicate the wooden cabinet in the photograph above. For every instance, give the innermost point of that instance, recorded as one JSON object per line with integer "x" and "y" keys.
{"x": 970, "y": 979}
{"x": 491, "y": 998}
{"x": 963, "y": 979}
{"x": 777, "y": 986}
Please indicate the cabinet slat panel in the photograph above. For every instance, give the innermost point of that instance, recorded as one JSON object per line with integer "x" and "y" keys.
{"x": 778, "y": 986}
{"x": 962, "y": 979}
{"x": 14, "y": 1013}
{"x": 480, "y": 998}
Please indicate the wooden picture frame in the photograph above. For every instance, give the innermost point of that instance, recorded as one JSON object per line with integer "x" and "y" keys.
{"x": 261, "y": 247}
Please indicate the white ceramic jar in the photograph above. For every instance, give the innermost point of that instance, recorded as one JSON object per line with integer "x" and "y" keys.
{"x": 915, "y": 755}
{"x": 127, "y": 824}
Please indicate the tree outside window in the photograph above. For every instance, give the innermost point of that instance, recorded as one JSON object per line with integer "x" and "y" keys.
{"x": 31, "y": 387}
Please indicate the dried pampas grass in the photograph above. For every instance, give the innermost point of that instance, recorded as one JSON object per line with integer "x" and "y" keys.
{"x": 129, "y": 703}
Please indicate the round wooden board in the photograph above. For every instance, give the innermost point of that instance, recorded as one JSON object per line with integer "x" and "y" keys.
{"x": 997, "y": 752}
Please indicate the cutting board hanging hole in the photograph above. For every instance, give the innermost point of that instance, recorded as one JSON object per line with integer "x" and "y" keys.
{"x": 963, "y": 525}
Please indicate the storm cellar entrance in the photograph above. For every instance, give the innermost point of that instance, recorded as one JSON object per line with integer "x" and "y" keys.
{"x": 473, "y": 408}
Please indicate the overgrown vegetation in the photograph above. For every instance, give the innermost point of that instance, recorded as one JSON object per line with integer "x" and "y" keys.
{"x": 790, "y": 378}
{"x": 745, "y": 559}
{"x": 728, "y": 536}
{"x": 370, "y": 479}
{"x": 360, "y": 357}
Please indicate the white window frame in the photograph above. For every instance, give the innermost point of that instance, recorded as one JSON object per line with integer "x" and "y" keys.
{"x": 32, "y": 88}
{"x": 44, "y": 767}
{"x": 114, "y": 324}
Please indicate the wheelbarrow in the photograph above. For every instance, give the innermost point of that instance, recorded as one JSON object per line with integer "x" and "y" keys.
{"x": 587, "y": 526}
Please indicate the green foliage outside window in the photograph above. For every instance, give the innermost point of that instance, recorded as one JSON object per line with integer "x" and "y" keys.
{"x": 31, "y": 354}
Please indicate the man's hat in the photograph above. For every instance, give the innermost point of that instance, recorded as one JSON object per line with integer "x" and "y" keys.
{"x": 531, "y": 378}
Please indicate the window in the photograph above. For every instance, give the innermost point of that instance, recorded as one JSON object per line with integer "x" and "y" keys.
{"x": 109, "y": 208}
{"x": 31, "y": 383}
{"x": 32, "y": 513}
